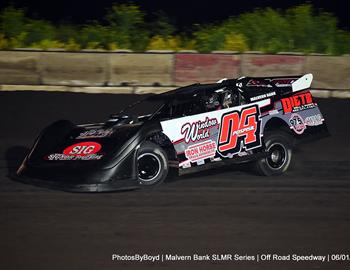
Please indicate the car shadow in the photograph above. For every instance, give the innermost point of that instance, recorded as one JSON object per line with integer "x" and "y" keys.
{"x": 14, "y": 156}
{"x": 245, "y": 168}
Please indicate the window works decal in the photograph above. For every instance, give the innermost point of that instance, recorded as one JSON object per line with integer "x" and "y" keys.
{"x": 239, "y": 129}
{"x": 297, "y": 103}
{"x": 198, "y": 130}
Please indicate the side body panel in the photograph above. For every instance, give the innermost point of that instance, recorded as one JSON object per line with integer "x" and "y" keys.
{"x": 215, "y": 135}
{"x": 238, "y": 131}
{"x": 299, "y": 111}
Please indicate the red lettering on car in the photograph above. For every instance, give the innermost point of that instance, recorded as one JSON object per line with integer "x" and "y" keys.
{"x": 291, "y": 104}
{"x": 82, "y": 149}
{"x": 239, "y": 129}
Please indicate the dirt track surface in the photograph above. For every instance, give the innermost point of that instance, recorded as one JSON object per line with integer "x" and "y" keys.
{"x": 304, "y": 212}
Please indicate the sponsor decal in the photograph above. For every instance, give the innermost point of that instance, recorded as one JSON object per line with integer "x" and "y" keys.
{"x": 198, "y": 130}
{"x": 185, "y": 164}
{"x": 78, "y": 151}
{"x": 273, "y": 112}
{"x": 257, "y": 82}
{"x": 297, "y": 123}
{"x": 279, "y": 82}
{"x": 271, "y": 94}
{"x": 297, "y": 103}
{"x": 66, "y": 157}
{"x": 200, "y": 162}
{"x": 314, "y": 120}
{"x": 283, "y": 82}
{"x": 242, "y": 154}
{"x": 239, "y": 129}
{"x": 82, "y": 149}
{"x": 95, "y": 133}
{"x": 201, "y": 151}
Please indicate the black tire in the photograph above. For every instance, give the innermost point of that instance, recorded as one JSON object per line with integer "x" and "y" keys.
{"x": 279, "y": 146}
{"x": 152, "y": 164}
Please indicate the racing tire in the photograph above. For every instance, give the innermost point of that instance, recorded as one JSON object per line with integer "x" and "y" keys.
{"x": 279, "y": 148}
{"x": 152, "y": 165}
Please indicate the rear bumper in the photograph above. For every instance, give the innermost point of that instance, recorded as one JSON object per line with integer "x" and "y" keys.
{"x": 118, "y": 185}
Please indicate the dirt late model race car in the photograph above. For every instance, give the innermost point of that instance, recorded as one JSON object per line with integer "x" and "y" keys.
{"x": 255, "y": 120}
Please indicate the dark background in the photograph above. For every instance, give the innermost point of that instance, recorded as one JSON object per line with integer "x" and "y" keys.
{"x": 305, "y": 211}
{"x": 182, "y": 13}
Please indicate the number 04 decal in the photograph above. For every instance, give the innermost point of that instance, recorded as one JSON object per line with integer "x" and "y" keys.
{"x": 239, "y": 129}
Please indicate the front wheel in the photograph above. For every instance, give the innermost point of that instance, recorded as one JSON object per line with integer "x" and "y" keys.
{"x": 279, "y": 154}
{"x": 152, "y": 164}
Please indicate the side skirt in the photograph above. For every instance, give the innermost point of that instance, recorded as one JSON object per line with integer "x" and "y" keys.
{"x": 222, "y": 163}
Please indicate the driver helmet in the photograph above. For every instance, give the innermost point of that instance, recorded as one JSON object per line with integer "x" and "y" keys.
{"x": 212, "y": 102}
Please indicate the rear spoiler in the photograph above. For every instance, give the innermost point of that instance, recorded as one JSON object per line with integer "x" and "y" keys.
{"x": 252, "y": 87}
{"x": 302, "y": 83}
{"x": 282, "y": 83}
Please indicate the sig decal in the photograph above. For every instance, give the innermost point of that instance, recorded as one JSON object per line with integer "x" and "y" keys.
{"x": 79, "y": 151}
{"x": 239, "y": 129}
{"x": 297, "y": 123}
{"x": 297, "y": 103}
{"x": 82, "y": 149}
{"x": 201, "y": 151}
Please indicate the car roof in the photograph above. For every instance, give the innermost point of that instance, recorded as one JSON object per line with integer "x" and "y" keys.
{"x": 188, "y": 92}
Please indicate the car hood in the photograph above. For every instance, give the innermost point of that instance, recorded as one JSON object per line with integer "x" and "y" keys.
{"x": 86, "y": 144}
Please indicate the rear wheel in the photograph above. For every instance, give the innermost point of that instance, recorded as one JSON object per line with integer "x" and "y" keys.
{"x": 279, "y": 154}
{"x": 152, "y": 164}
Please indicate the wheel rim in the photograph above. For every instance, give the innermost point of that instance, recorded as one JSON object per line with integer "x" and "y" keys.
{"x": 148, "y": 167}
{"x": 277, "y": 156}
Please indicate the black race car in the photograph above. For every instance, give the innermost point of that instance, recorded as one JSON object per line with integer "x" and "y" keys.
{"x": 256, "y": 120}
